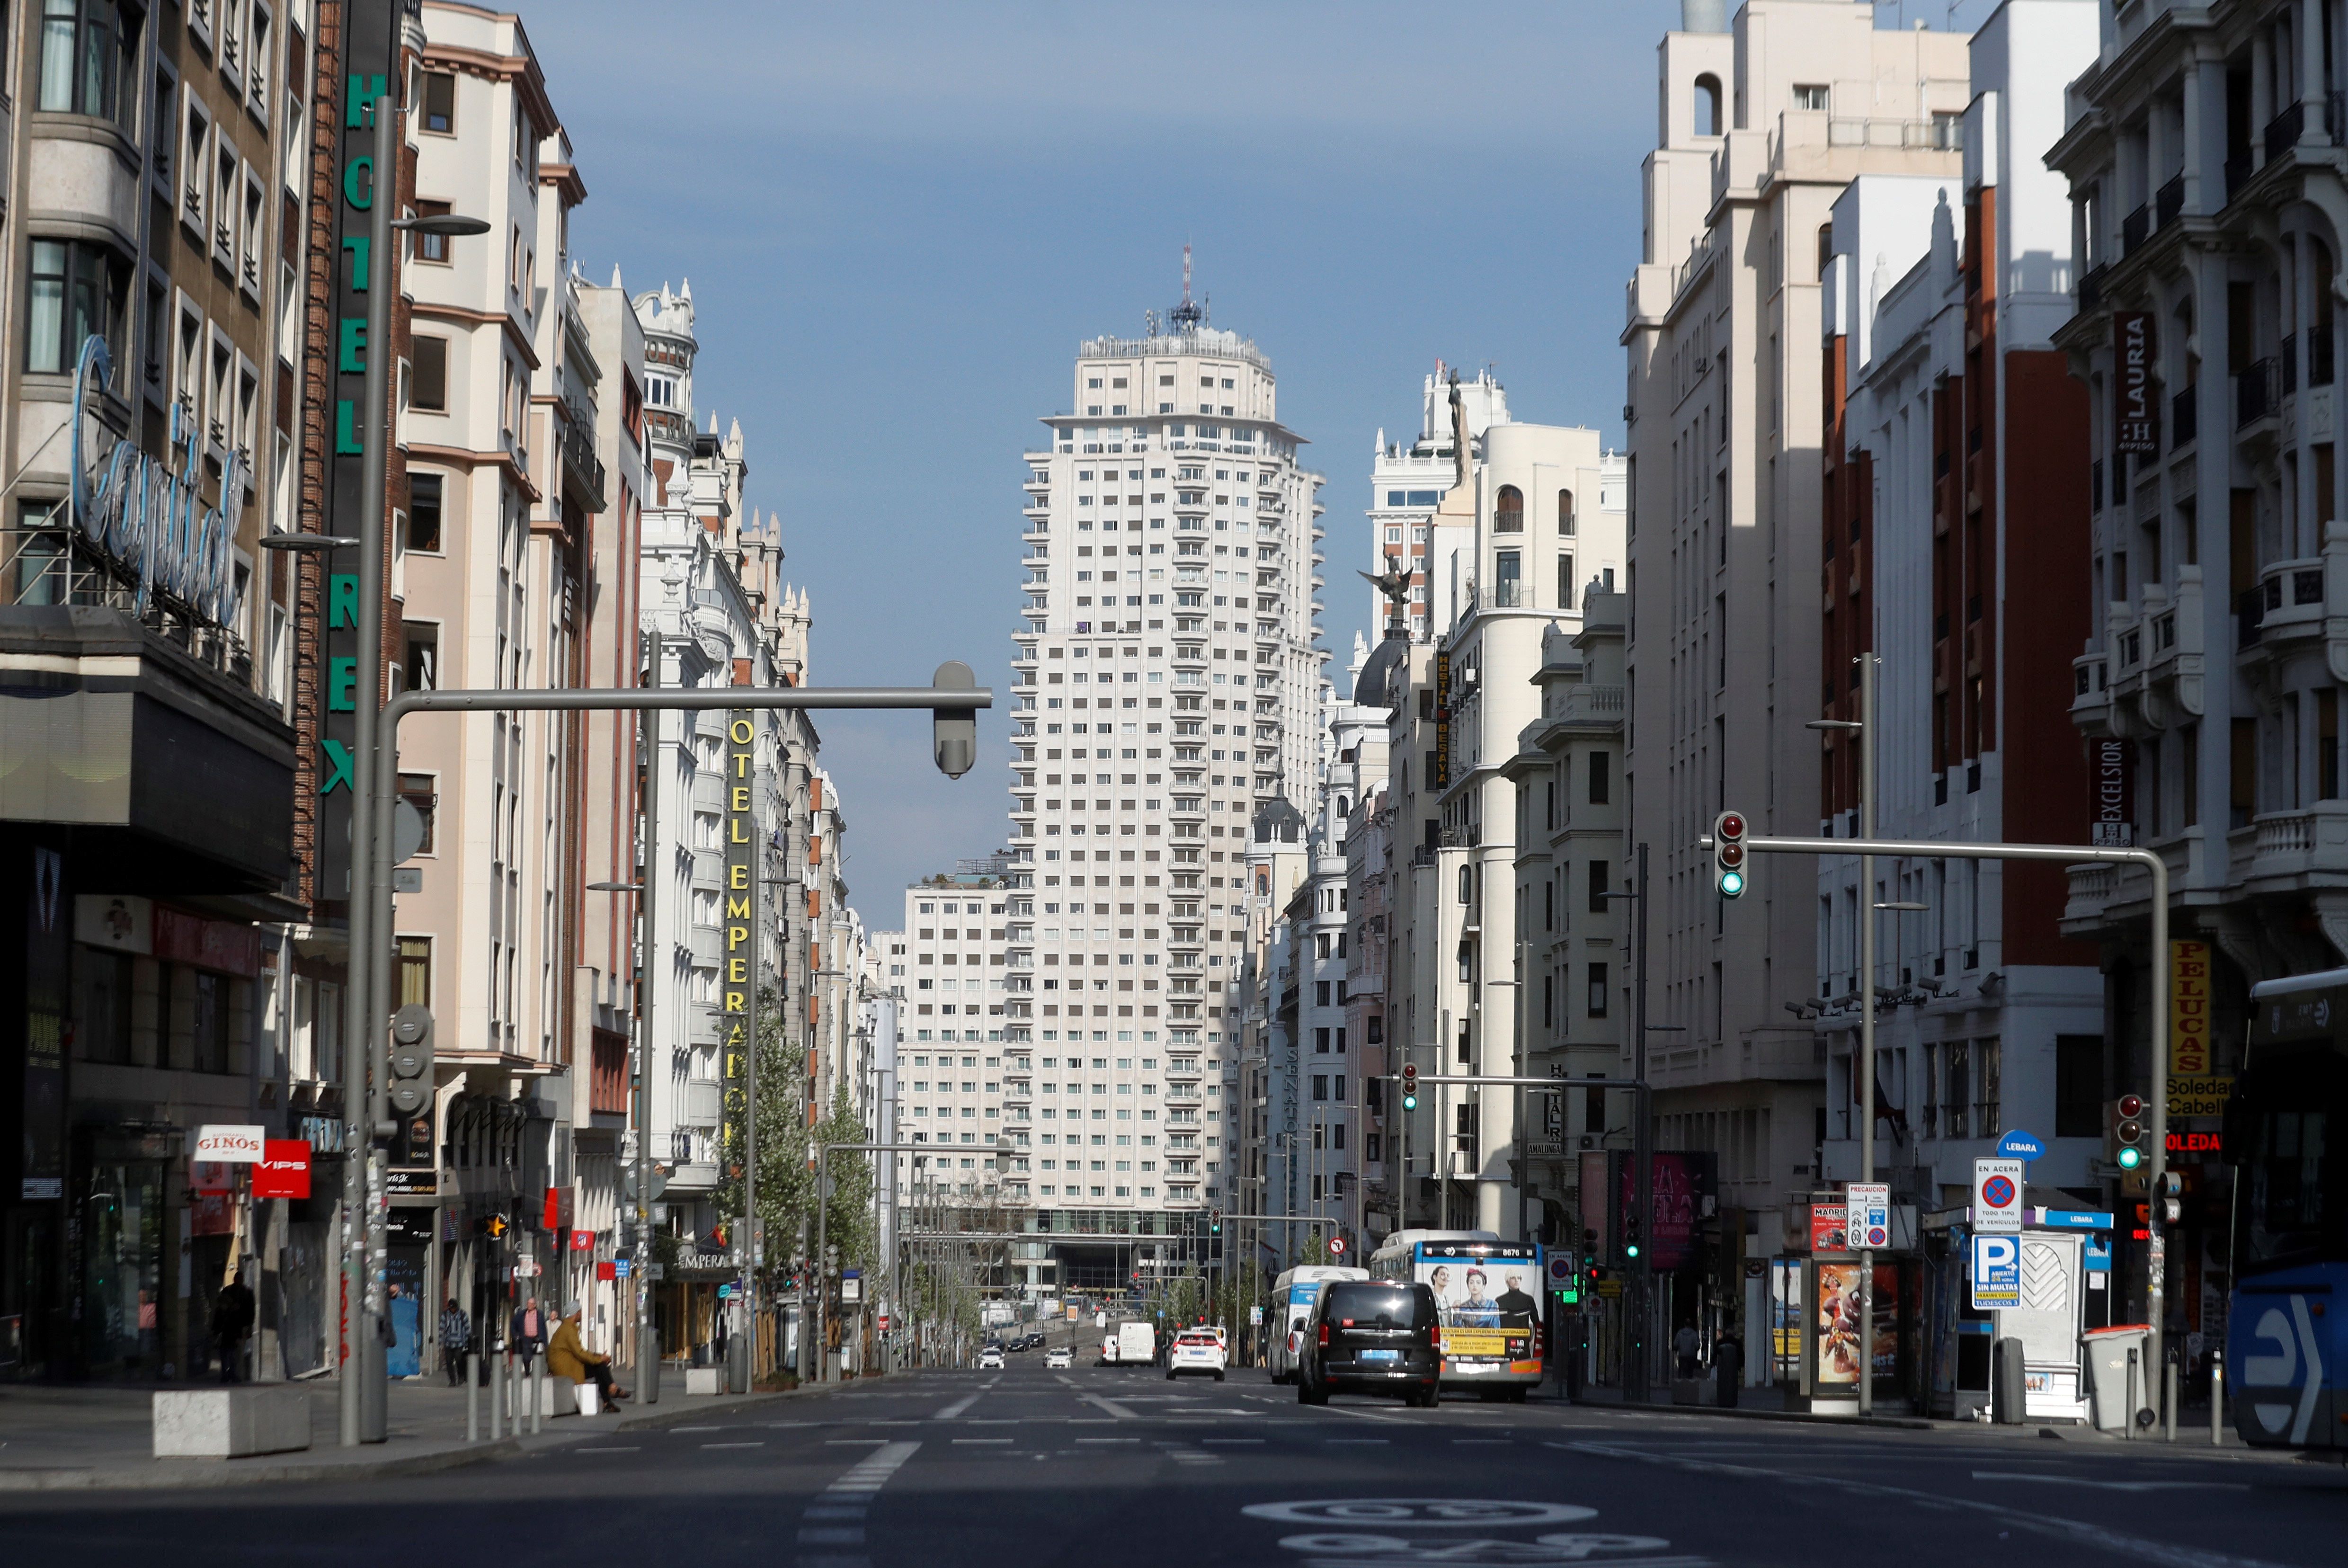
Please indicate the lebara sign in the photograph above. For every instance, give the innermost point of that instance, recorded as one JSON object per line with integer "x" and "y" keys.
{"x": 148, "y": 520}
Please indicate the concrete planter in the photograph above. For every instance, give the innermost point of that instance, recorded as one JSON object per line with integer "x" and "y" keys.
{"x": 231, "y": 1423}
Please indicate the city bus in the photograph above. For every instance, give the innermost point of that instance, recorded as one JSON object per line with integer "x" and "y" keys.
{"x": 1292, "y": 1295}
{"x": 1488, "y": 1292}
{"x": 2287, "y": 1329}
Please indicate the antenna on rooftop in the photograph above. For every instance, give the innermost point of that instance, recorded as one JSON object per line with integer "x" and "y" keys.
{"x": 1187, "y": 316}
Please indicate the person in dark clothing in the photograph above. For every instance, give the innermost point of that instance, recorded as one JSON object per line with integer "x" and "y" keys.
{"x": 455, "y": 1340}
{"x": 233, "y": 1315}
{"x": 1727, "y": 1368}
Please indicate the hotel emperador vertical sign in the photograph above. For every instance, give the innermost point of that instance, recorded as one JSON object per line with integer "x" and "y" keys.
{"x": 738, "y": 988}
{"x": 370, "y": 56}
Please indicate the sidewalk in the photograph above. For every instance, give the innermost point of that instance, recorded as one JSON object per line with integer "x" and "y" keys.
{"x": 58, "y": 1437}
{"x": 2192, "y": 1429}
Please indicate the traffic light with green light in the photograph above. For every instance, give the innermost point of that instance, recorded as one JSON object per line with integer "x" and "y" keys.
{"x": 1409, "y": 1087}
{"x": 1728, "y": 853}
{"x": 2126, "y": 1144}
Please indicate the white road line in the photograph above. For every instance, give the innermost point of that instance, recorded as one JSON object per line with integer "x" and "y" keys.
{"x": 696, "y": 1428}
{"x": 1231, "y": 1442}
{"x": 2078, "y": 1532}
{"x": 1121, "y": 1412}
{"x": 956, "y": 1408}
{"x": 628, "y": 1448}
{"x": 1109, "y": 1440}
{"x": 733, "y": 1445}
{"x": 1358, "y": 1442}
{"x": 1371, "y": 1416}
{"x": 854, "y": 1442}
{"x": 2111, "y": 1485}
{"x": 982, "y": 1439}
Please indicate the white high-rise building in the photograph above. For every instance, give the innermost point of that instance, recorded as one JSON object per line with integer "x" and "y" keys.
{"x": 1165, "y": 688}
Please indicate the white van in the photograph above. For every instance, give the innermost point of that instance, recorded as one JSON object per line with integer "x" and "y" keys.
{"x": 1137, "y": 1344}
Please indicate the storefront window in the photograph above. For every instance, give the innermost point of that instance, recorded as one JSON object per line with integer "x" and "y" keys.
{"x": 122, "y": 1263}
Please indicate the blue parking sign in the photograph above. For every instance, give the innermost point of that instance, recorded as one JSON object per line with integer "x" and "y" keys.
{"x": 1994, "y": 1263}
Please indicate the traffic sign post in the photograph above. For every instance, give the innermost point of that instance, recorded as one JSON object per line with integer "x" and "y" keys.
{"x": 1997, "y": 1197}
{"x": 1868, "y": 1217}
{"x": 1994, "y": 1263}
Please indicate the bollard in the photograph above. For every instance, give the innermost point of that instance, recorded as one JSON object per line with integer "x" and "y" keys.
{"x": 2169, "y": 1401}
{"x": 2134, "y": 1399}
{"x": 2007, "y": 1384}
{"x": 472, "y": 1401}
{"x": 2216, "y": 1400}
{"x": 537, "y": 1394}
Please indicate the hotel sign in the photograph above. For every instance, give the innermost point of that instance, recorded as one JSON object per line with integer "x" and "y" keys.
{"x": 2135, "y": 419}
{"x": 2113, "y": 810}
{"x": 738, "y": 987}
{"x": 138, "y": 512}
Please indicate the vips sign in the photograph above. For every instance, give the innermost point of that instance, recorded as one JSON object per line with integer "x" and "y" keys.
{"x": 284, "y": 1168}
{"x": 2135, "y": 415}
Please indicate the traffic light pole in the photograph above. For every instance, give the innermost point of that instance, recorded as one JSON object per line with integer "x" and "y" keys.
{"x": 2156, "y": 1251}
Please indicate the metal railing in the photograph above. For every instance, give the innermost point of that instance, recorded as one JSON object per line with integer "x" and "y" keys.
{"x": 2254, "y": 392}
{"x": 2283, "y": 132}
{"x": 2169, "y": 202}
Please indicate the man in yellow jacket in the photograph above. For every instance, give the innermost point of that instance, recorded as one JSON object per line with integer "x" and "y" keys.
{"x": 567, "y": 1355}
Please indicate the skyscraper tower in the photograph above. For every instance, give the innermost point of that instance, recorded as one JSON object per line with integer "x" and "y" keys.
{"x": 1165, "y": 692}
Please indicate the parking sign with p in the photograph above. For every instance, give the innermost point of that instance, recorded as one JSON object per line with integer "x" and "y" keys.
{"x": 1995, "y": 1264}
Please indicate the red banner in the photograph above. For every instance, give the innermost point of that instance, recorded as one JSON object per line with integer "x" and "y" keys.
{"x": 284, "y": 1168}
{"x": 583, "y": 1240}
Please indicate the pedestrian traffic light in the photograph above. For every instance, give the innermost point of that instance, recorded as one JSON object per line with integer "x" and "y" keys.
{"x": 1728, "y": 853}
{"x": 2125, "y": 1137}
{"x": 1409, "y": 1086}
{"x": 954, "y": 730}
{"x": 2172, "y": 1195}
{"x": 411, "y": 1059}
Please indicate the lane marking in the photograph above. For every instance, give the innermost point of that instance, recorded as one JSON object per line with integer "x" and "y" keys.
{"x": 1119, "y": 1412}
{"x": 982, "y": 1439}
{"x": 1358, "y": 1442}
{"x": 733, "y": 1445}
{"x": 1231, "y": 1442}
{"x": 956, "y": 1408}
{"x": 854, "y": 1442}
{"x": 2077, "y": 1531}
{"x": 1109, "y": 1440}
{"x": 1372, "y": 1416}
{"x": 2112, "y": 1485}
{"x": 696, "y": 1428}
{"x": 629, "y": 1449}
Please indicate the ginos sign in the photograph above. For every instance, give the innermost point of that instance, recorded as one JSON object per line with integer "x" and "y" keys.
{"x": 149, "y": 520}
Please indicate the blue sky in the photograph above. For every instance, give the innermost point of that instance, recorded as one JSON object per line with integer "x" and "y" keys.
{"x": 899, "y": 220}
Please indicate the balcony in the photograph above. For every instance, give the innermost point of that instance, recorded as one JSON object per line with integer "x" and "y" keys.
{"x": 2289, "y": 601}
{"x": 2170, "y": 202}
{"x": 2256, "y": 394}
{"x": 2283, "y": 132}
{"x": 2134, "y": 229}
{"x": 2294, "y": 845}
{"x": 582, "y": 470}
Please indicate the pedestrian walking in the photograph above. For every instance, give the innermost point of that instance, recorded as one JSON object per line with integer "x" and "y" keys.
{"x": 455, "y": 1340}
{"x": 525, "y": 1334}
{"x": 1687, "y": 1344}
{"x": 567, "y": 1355}
{"x": 1727, "y": 1368}
{"x": 233, "y": 1315}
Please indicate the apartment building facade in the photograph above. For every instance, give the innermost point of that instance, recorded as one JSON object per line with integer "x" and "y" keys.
{"x": 2200, "y": 149}
{"x": 159, "y": 976}
{"x": 1759, "y": 129}
{"x": 1172, "y": 557}
{"x": 1955, "y": 539}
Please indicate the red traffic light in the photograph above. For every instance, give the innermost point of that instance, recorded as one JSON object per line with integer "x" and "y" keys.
{"x": 2131, "y": 1107}
{"x": 1731, "y": 825}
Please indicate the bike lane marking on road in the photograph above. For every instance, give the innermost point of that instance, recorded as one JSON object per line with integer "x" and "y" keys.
{"x": 2166, "y": 1554}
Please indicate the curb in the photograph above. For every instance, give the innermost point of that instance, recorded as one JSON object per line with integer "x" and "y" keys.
{"x": 267, "y": 1468}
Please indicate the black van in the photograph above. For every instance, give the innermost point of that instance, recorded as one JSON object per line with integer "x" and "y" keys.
{"x": 1370, "y": 1337}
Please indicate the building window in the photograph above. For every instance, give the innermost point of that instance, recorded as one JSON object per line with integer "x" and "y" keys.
{"x": 1599, "y": 782}
{"x": 440, "y": 102}
{"x": 87, "y": 48}
{"x": 1810, "y": 97}
{"x": 422, "y": 660}
{"x": 1509, "y": 511}
{"x": 1597, "y": 887}
{"x": 415, "y": 971}
{"x": 1565, "y": 522}
{"x": 433, "y": 247}
{"x": 78, "y": 290}
{"x": 424, "y": 494}
{"x": 1565, "y": 594}
{"x": 1508, "y": 578}
{"x": 428, "y": 373}
{"x": 419, "y": 789}
{"x": 1597, "y": 990}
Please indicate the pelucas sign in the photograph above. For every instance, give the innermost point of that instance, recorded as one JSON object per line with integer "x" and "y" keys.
{"x": 153, "y": 521}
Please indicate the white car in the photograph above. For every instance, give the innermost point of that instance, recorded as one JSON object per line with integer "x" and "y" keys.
{"x": 1197, "y": 1350}
{"x": 1058, "y": 1360}
{"x": 990, "y": 1359}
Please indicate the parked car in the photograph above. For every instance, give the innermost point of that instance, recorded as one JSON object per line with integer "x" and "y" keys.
{"x": 1197, "y": 1350}
{"x": 1370, "y": 1336}
{"x": 1058, "y": 1360}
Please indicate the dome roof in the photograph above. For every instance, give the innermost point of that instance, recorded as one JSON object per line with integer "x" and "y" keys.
{"x": 1278, "y": 821}
{"x": 1374, "y": 686}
